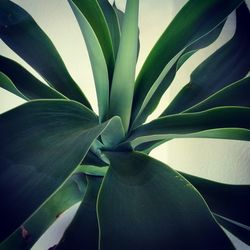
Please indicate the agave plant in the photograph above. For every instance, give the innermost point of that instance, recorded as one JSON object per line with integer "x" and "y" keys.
{"x": 55, "y": 151}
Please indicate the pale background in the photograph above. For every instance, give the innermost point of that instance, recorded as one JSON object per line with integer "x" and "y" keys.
{"x": 221, "y": 160}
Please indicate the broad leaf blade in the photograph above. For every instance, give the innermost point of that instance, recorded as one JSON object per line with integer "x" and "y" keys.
{"x": 24, "y": 83}
{"x": 144, "y": 204}
{"x": 67, "y": 195}
{"x": 41, "y": 144}
{"x": 22, "y": 34}
{"x": 124, "y": 74}
{"x": 98, "y": 63}
{"x": 93, "y": 13}
{"x": 194, "y": 20}
{"x": 222, "y": 123}
{"x": 228, "y": 64}
{"x": 83, "y": 231}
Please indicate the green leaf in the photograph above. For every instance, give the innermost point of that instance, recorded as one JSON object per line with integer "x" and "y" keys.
{"x": 144, "y": 204}
{"x": 124, "y": 74}
{"x": 203, "y": 42}
{"x": 68, "y": 194}
{"x": 228, "y": 64}
{"x": 113, "y": 23}
{"x": 93, "y": 13}
{"x": 159, "y": 87}
{"x": 239, "y": 230}
{"x": 229, "y": 203}
{"x": 83, "y": 231}
{"x": 7, "y": 84}
{"x": 236, "y": 94}
{"x": 21, "y": 83}
{"x": 114, "y": 134}
{"x": 194, "y": 21}
{"x": 98, "y": 63}
{"x": 223, "y": 123}
{"x": 22, "y": 34}
{"x": 42, "y": 142}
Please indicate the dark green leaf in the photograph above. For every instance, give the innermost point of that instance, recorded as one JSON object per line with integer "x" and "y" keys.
{"x": 99, "y": 66}
{"x": 239, "y": 230}
{"x": 124, "y": 74}
{"x": 194, "y": 21}
{"x": 204, "y": 41}
{"x": 228, "y": 64}
{"x": 6, "y": 83}
{"x": 83, "y": 231}
{"x": 114, "y": 134}
{"x": 236, "y": 94}
{"x": 230, "y": 201}
{"x": 24, "y": 84}
{"x": 41, "y": 144}
{"x": 68, "y": 194}
{"x": 93, "y": 13}
{"x": 22, "y": 34}
{"x": 113, "y": 23}
{"x": 143, "y": 204}
{"x": 223, "y": 123}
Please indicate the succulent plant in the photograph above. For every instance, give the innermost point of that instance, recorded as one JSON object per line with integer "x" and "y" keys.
{"x": 55, "y": 151}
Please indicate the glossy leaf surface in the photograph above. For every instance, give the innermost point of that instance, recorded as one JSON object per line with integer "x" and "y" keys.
{"x": 144, "y": 204}
{"x": 42, "y": 141}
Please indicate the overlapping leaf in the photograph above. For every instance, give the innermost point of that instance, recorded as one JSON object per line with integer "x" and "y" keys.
{"x": 124, "y": 74}
{"x": 228, "y": 64}
{"x": 23, "y": 84}
{"x": 184, "y": 30}
{"x": 231, "y": 202}
{"x": 223, "y": 123}
{"x": 42, "y": 141}
{"x": 144, "y": 204}
{"x": 92, "y": 11}
{"x": 98, "y": 63}
{"x": 22, "y": 34}
{"x": 68, "y": 194}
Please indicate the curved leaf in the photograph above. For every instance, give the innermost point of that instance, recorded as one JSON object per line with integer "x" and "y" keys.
{"x": 159, "y": 87}
{"x": 99, "y": 67}
{"x": 67, "y": 195}
{"x": 24, "y": 84}
{"x": 112, "y": 21}
{"x": 7, "y": 84}
{"x": 144, "y": 204}
{"x": 83, "y": 231}
{"x": 230, "y": 203}
{"x": 223, "y": 123}
{"x": 41, "y": 144}
{"x": 22, "y": 34}
{"x": 236, "y": 94}
{"x": 240, "y": 231}
{"x": 228, "y": 64}
{"x": 194, "y": 20}
{"x": 91, "y": 10}
{"x": 123, "y": 80}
